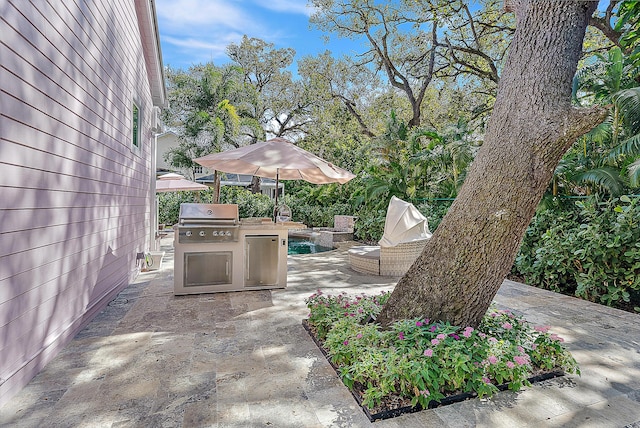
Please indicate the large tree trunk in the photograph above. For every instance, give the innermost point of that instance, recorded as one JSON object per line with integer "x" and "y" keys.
{"x": 532, "y": 126}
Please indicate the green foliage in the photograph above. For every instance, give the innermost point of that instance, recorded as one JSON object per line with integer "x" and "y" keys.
{"x": 434, "y": 210}
{"x": 605, "y": 160}
{"x": 629, "y": 24}
{"x": 422, "y": 361}
{"x": 169, "y": 204}
{"x": 416, "y": 163}
{"x": 249, "y": 204}
{"x": 316, "y": 206}
{"x": 592, "y": 251}
{"x": 208, "y": 107}
{"x": 370, "y": 225}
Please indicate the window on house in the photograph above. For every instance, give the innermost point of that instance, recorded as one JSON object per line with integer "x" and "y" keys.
{"x": 135, "y": 138}
{"x": 197, "y": 169}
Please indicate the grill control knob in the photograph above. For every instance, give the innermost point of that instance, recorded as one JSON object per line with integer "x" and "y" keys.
{"x": 188, "y": 233}
{"x": 202, "y": 233}
{"x": 228, "y": 233}
{"x": 215, "y": 233}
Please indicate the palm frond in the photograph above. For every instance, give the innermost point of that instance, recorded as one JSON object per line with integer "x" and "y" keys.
{"x": 629, "y": 102}
{"x": 629, "y": 147}
{"x": 634, "y": 173}
{"x": 607, "y": 178}
{"x": 601, "y": 133}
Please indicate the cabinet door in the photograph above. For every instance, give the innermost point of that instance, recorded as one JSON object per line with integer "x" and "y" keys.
{"x": 207, "y": 268}
{"x": 261, "y": 261}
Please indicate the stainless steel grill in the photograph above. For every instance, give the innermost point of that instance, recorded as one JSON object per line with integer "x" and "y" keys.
{"x": 208, "y": 254}
{"x": 208, "y": 223}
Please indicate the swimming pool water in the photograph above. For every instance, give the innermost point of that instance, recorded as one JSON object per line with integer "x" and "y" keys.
{"x": 304, "y": 246}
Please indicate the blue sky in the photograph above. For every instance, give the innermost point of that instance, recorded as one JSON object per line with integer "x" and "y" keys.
{"x": 198, "y": 31}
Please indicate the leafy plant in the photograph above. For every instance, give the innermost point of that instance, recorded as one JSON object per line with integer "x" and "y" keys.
{"x": 249, "y": 204}
{"x": 592, "y": 251}
{"x": 421, "y": 361}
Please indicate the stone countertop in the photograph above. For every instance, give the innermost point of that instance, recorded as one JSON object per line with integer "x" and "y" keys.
{"x": 272, "y": 226}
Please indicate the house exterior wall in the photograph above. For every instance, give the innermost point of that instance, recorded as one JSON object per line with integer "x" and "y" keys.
{"x": 167, "y": 141}
{"x": 75, "y": 195}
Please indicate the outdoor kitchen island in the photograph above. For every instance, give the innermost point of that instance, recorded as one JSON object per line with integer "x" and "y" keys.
{"x": 216, "y": 252}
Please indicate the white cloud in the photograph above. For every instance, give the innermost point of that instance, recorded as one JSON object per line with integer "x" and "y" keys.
{"x": 289, "y": 6}
{"x": 187, "y": 14}
{"x": 196, "y": 44}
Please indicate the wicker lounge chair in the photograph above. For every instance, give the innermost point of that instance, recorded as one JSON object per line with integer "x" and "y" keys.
{"x": 406, "y": 234}
{"x": 365, "y": 259}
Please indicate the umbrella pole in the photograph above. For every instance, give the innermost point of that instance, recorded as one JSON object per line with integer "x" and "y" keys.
{"x": 275, "y": 207}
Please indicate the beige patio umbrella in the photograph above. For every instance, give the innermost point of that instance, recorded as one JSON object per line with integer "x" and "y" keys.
{"x": 176, "y": 182}
{"x": 279, "y": 159}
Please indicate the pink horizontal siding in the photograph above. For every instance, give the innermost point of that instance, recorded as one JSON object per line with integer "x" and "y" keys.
{"x": 74, "y": 194}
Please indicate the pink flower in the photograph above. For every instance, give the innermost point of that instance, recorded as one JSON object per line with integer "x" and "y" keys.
{"x": 510, "y": 364}
{"x": 433, "y": 328}
{"x": 425, "y": 392}
{"x": 494, "y": 314}
{"x": 426, "y": 321}
{"x": 435, "y": 342}
{"x": 521, "y": 349}
{"x": 520, "y": 360}
{"x": 542, "y": 328}
{"x": 346, "y": 342}
{"x": 493, "y": 340}
{"x": 482, "y": 335}
{"x": 418, "y": 323}
{"x": 401, "y": 336}
{"x": 467, "y": 332}
{"x": 486, "y": 380}
{"x": 556, "y": 337}
{"x": 492, "y": 359}
{"x": 507, "y": 326}
{"x": 359, "y": 335}
{"x": 441, "y": 336}
{"x": 428, "y": 353}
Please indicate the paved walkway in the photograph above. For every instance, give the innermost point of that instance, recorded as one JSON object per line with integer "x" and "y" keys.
{"x": 243, "y": 360}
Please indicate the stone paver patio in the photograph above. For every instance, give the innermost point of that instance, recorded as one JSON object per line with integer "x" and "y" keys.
{"x": 151, "y": 359}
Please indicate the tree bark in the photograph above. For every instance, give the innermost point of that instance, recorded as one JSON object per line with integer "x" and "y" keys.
{"x": 216, "y": 187}
{"x": 255, "y": 184}
{"x": 533, "y": 124}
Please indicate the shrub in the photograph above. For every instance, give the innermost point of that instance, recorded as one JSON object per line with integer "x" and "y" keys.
{"x": 169, "y": 204}
{"x": 421, "y": 361}
{"x": 592, "y": 252}
{"x": 370, "y": 225}
{"x": 434, "y": 210}
{"x": 249, "y": 204}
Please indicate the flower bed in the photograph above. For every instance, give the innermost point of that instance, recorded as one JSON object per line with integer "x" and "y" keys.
{"x": 418, "y": 364}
